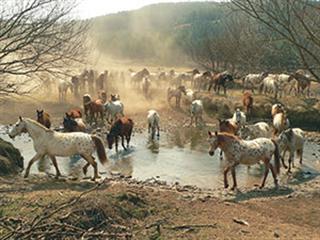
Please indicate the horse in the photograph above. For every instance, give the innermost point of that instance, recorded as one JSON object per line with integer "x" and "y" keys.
{"x": 271, "y": 84}
{"x": 248, "y": 152}
{"x": 43, "y": 118}
{"x": 196, "y": 110}
{"x": 239, "y": 118}
{"x": 247, "y": 101}
{"x": 83, "y": 78}
{"x": 177, "y": 93}
{"x": 114, "y": 97}
{"x": 304, "y": 82}
{"x": 92, "y": 108}
{"x": 113, "y": 109}
{"x": 251, "y": 81}
{"x": 51, "y": 143}
{"x": 74, "y": 113}
{"x": 292, "y": 140}
{"x": 75, "y": 80}
{"x": 190, "y": 95}
{"x": 91, "y": 78}
{"x": 122, "y": 127}
{"x": 257, "y": 130}
{"x": 146, "y": 83}
{"x": 101, "y": 81}
{"x": 200, "y": 81}
{"x": 63, "y": 87}
{"x": 280, "y": 123}
{"x": 71, "y": 124}
{"x": 277, "y": 108}
{"x": 153, "y": 123}
{"x": 136, "y": 78}
{"x": 103, "y": 96}
{"x": 220, "y": 79}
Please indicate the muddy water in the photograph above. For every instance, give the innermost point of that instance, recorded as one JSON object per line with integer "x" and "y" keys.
{"x": 180, "y": 157}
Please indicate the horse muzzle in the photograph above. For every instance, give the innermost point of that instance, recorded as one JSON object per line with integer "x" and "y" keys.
{"x": 211, "y": 153}
{"x": 11, "y": 136}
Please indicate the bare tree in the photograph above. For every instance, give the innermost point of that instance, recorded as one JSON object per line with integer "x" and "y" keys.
{"x": 38, "y": 37}
{"x": 296, "y": 21}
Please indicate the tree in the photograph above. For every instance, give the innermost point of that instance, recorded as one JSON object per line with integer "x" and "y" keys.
{"x": 295, "y": 21}
{"x": 38, "y": 37}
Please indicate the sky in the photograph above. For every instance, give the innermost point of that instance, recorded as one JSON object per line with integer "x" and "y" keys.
{"x": 92, "y": 8}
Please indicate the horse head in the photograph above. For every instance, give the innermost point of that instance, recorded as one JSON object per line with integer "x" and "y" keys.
{"x": 18, "y": 128}
{"x": 183, "y": 89}
{"x": 69, "y": 124}
{"x": 213, "y": 141}
{"x": 195, "y": 71}
{"x": 39, "y": 114}
{"x": 86, "y": 99}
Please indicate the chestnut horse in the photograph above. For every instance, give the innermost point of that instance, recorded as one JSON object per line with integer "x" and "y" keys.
{"x": 122, "y": 127}
{"x": 74, "y": 113}
{"x": 43, "y": 118}
{"x": 93, "y": 108}
{"x": 247, "y": 101}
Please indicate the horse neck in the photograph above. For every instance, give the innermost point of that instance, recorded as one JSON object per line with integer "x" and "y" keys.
{"x": 225, "y": 141}
{"x": 34, "y": 130}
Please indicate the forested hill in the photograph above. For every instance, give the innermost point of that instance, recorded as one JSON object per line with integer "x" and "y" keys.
{"x": 150, "y": 32}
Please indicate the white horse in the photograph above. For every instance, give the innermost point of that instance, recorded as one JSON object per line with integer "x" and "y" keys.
{"x": 113, "y": 109}
{"x": 260, "y": 129}
{"x": 51, "y": 143}
{"x": 189, "y": 94}
{"x": 196, "y": 110}
{"x": 252, "y": 81}
{"x": 153, "y": 123}
{"x": 248, "y": 152}
{"x": 280, "y": 123}
{"x": 63, "y": 87}
{"x": 239, "y": 118}
{"x": 292, "y": 140}
{"x": 146, "y": 83}
{"x": 271, "y": 84}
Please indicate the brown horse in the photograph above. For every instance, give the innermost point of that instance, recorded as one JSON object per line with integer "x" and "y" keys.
{"x": 122, "y": 127}
{"x": 247, "y": 101}
{"x": 74, "y": 113}
{"x": 93, "y": 109}
{"x": 219, "y": 80}
{"x": 227, "y": 126}
{"x": 43, "y": 118}
{"x": 71, "y": 124}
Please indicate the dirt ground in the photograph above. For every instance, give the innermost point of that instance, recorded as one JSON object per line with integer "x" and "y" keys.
{"x": 158, "y": 211}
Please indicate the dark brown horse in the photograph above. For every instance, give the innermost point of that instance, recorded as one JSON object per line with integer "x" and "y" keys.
{"x": 43, "y": 118}
{"x": 220, "y": 80}
{"x": 247, "y": 101}
{"x": 93, "y": 108}
{"x": 122, "y": 127}
{"x": 71, "y": 124}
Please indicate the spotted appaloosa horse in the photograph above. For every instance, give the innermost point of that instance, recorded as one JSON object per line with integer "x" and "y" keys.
{"x": 122, "y": 127}
{"x": 52, "y": 143}
{"x": 43, "y": 118}
{"x": 238, "y": 151}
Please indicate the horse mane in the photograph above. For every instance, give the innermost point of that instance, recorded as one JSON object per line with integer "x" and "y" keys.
{"x": 37, "y": 124}
{"x": 229, "y": 135}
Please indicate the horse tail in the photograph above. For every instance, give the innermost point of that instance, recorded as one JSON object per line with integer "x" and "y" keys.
{"x": 100, "y": 149}
{"x": 276, "y": 156}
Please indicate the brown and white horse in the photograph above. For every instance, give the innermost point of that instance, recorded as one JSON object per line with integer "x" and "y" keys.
{"x": 238, "y": 151}
{"x": 176, "y": 93}
{"x": 93, "y": 108}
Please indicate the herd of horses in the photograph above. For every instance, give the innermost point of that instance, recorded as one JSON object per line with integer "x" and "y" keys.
{"x": 240, "y": 142}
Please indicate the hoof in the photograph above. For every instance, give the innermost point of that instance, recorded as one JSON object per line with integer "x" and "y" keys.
{"x": 226, "y": 185}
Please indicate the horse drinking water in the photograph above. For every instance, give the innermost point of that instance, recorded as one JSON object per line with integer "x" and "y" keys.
{"x": 51, "y": 143}
{"x": 238, "y": 151}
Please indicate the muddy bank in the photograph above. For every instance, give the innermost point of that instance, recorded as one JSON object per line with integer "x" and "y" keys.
{"x": 11, "y": 161}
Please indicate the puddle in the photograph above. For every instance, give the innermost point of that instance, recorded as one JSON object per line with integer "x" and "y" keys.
{"x": 181, "y": 157}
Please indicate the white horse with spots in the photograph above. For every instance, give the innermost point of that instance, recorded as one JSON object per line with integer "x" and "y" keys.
{"x": 252, "y": 81}
{"x": 153, "y": 123}
{"x": 51, "y": 143}
{"x": 248, "y": 152}
{"x": 291, "y": 140}
{"x": 257, "y": 130}
{"x": 196, "y": 110}
{"x": 239, "y": 118}
{"x": 63, "y": 87}
{"x": 113, "y": 109}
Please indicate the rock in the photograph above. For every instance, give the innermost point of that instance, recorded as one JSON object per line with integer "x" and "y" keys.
{"x": 276, "y": 234}
{"x": 241, "y": 221}
{"x": 11, "y": 161}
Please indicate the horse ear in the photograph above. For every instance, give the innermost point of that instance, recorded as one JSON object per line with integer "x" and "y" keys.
{"x": 20, "y": 118}
{"x": 41, "y": 111}
{"x": 210, "y": 134}
{"x": 216, "y": 133}
{"x": 38, "y": 111}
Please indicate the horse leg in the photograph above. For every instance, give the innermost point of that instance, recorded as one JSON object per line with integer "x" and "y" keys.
{"x": 122, "y": 143}
{"x": 92, "y": 162}
{"x": 266, "y": 171}
{"x": 290, "y": 162}
{"x": 282, "y": 159}
{"x": 274, "y": 175}
{"x": 158, "y": 129}
{"x": 116, "y": 143}
{"x": 225, "y": 178}
{"x": 129, "y": 137}
{"x": 85, "y": 168}
{"x": 225, "y": 90}
{"x": 300, "y": 153}
{"x": 191, "y": 120}
{"x": 55, "y": 164}
{"x": 233, "y": 173}
{"x": 221, "y": 155}
{"x": 149, "y": 127}
{"x": 35, "y": 158}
